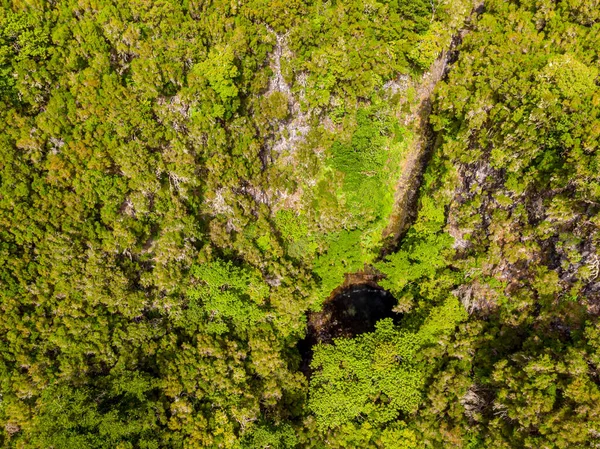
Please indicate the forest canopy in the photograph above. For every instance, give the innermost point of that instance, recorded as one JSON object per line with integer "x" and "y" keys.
{"x": 184, "y": 184}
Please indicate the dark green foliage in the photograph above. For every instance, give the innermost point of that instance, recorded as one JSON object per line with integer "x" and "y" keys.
{"x": 125, "y": 415}
{"x": 180, "y": 182}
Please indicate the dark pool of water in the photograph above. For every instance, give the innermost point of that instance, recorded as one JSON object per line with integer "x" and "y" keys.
{"x": 353, "y": 311}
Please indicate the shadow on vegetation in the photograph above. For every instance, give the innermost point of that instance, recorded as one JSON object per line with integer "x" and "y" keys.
{"x": 355, "y": 310}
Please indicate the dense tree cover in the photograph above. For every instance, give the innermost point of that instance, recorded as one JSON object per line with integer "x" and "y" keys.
{"x": 508, "y": 223}
{"x": 377, "y": 375}
{"x": 176, "y": 189}
{"x": 181, "y": 182}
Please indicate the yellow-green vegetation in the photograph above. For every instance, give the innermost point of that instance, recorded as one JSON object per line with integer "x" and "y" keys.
{"x": 181, "y": 182}
{"x": 376, "y": 376}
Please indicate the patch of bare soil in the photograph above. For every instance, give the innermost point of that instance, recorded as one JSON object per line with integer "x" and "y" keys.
{"x": 292, "y": 131}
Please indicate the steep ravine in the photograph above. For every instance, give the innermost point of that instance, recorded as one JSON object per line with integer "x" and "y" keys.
{"x": 356, "y": 305}
{"x": 422, "y": 146}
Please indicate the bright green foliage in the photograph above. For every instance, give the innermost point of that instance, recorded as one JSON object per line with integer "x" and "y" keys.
{"x": 23, "y": 45}
{"x": 361, "y": 161}
{"x": 418, "y": 259}
{"x": 292, "y": 227}
{"x": 442, "y": 320}
{"x": 87, "y": 419}
{"x": 430, "y": 46}
{"x": 220, "y": 71}
{"x": 376, "y": 376}
{"x": 294, "y": 231}
{"x": 343, "y": 255}
{"x": 181, "y": 181}
{"x": 570, "y": 77}
{"x": 373, "y": 376}
{"x": 399, "y": 437}
{"x": 229, "y": 296}
{"x": 282, "y": 437}
{"x": 423, "y": 250}
{"x": 366, "y": 166}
